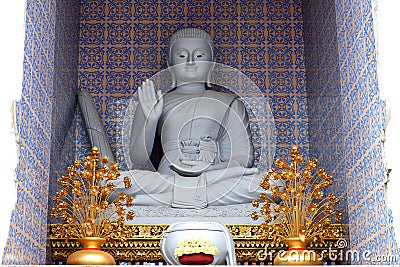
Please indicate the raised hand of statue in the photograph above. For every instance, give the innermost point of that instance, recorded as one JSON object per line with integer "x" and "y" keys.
{"x": 150, "y": 102}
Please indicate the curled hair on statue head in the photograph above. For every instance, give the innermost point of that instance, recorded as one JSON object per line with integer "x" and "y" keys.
{"x": 191, "y": 33}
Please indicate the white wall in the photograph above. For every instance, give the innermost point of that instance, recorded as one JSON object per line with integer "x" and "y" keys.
{"x": 388, "y": 38}
{"x": 11, "y": 70}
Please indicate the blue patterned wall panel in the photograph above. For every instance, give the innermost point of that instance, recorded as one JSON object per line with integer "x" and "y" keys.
{"x": 44, "y": 116}
{"x": 124, "y": 42}
{"x": 364, "y": 126}
{"x": 324, "y": 94}
{"x": 344, "y": 106}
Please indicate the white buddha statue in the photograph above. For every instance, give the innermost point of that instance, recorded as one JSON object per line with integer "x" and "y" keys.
{"x": 208, "y": 153}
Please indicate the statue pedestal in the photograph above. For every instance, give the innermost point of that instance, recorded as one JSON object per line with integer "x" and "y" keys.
{"x": 232, "y": 214}
{"x": 143, "y": 243}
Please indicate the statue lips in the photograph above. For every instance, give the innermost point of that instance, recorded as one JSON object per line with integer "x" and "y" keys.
{"x": 192, "y": 74}
{"x": 191, "y": 69}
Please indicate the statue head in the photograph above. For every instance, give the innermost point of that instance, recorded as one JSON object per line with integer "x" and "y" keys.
{"x": 190, "y": 56}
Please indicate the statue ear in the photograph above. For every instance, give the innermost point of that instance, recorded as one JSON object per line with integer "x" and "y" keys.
{"x": 210, "y": 74}
{"x": 173, "y": 80}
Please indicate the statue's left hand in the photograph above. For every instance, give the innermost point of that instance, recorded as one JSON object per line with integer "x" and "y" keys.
{"x": 190, "y": 167}
{"x": 197, "y": 165}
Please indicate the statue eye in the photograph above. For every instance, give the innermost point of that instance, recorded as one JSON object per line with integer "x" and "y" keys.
{"x": 199, "y": 54}
{"x": 182, "y": 56}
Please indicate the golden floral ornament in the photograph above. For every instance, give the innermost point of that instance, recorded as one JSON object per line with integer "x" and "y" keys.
{"x": 298, "y": 206}
{"x": 83, "y": 200}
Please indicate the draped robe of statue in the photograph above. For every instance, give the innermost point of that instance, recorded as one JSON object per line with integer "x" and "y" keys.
{"x": 208, "y": 126}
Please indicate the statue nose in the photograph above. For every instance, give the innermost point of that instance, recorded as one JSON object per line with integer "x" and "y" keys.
{"x": 190, "y": 60}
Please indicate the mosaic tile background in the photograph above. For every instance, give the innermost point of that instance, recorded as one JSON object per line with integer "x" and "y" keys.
{"x": 324, "y": 93}
{"x": 347, "y": 116}
{"x": 44, "y": 117}
{"x": 124, "y": 42}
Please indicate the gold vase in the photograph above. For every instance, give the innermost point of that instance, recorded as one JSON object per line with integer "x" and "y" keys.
{"x": 297, "y": 254}
{"x": 90, "y": 253}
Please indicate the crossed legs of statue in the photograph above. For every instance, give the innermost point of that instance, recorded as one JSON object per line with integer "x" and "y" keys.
{"x": 223, "y": 186}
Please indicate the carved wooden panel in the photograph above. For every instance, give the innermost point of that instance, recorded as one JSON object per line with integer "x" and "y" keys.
{"x": 143, "y": 244}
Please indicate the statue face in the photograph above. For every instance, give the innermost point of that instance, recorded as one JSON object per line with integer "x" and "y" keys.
{"x": 190, "y": 60}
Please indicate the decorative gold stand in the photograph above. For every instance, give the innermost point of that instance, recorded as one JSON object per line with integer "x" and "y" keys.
{"x": 142, "y": 244}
